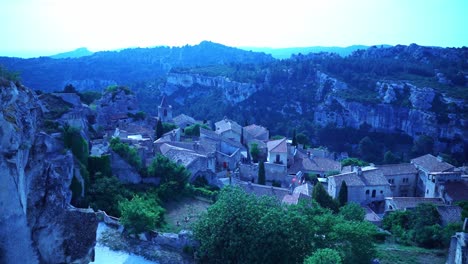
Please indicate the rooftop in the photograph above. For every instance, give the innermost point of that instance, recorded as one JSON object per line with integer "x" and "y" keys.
{"x": 430, "y": 163}
{"x": 303, "y": 163}
{"x": 279, "y": 145}
{"x": 397, "y": 169}
{"x": 182, "y": 118}
{"x": 261, "y": 190}
{"x": 402, "y": 203}
{"x": 226, "y": 125}
{"x": 255, "y": 130}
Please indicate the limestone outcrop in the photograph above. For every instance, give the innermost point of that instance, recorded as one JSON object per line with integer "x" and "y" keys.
{"x": 37, "y": 224}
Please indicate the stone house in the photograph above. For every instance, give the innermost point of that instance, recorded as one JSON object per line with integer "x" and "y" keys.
{"x": 401, "y": 177}
{"x": 198, "y": 164}
{"x": 183, "y": 121}
{"x": 365, "y": 186}
{"x": 254, "y": 132}
{"x": 164, "y": 110}
{"x": 425, "y": 165}
{"x": 228, "y": 152}
{"x": 277, "y": 152}
{"x": 229, "y": 129}
{"x": 308, "y": 163}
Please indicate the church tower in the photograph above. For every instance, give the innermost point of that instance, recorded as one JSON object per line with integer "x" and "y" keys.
{"x": 165, "y": 110}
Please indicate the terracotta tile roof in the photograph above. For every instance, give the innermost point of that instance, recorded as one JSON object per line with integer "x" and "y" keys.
{"x": 432, "y": 164}
{"x": 305, "y": 189}
{"x": 255, "y": 130}
{"x": 397, "y": 169}
{"x": 369, "y": 177}
{"x": 226, "y": 125}
{"x": 206, "y": 134}
{"x": 351, "y": 179}
{"x": 450, "y": 214}
{"x": 261, "y": 190}
{"x": 402, "y": 203}
{"x": 182, "y": 118}
{"x": 314, "y": 164}
{"x": 279, "y": 145}
{"x": 373, "y": 177}
{"x": 457, "y": 190}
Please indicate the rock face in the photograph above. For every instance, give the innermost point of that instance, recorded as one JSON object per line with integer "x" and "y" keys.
{"x": 37, "y": 224}
{"x": 233, "y": 92}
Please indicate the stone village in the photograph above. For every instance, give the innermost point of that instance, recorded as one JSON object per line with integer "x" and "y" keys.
{"x": 222, "y": 157}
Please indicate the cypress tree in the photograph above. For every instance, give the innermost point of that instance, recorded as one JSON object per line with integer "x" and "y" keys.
{"x": 321, "y": 196}
{"x": 294, "y": 139}
{"x": 261, "y": 173}
{"x": 343, "y": 194}
{"x": 159, "y": 129}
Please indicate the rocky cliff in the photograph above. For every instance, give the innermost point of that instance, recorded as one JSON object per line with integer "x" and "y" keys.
{"x": 232, "y": 92}
{"x": 37, "y": 224}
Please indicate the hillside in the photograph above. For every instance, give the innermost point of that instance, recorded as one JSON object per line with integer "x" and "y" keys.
{"x": 392, "y": 94}
{"x": 126, "y": 67}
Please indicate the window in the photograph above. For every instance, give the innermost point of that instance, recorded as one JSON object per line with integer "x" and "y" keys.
{"x": 367, "y": 192}
{"x": 373, "y": 193}
{"x": 277, "y": 158}
{"x": 165, "y": 112}
{"x": 391, "y": 181}
{"x": 381, "y": 192}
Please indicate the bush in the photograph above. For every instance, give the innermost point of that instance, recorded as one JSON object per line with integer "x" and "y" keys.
{"x": 128, "y": 153}
{"x": 140, "y": 215}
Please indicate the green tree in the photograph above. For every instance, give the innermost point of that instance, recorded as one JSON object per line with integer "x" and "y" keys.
{"x": 324, "y": 256}
{"x": 343, "y": 194}
{"x": 159, "y": 129}
{"x": 194, "y": 130}
{"x": 368, "y": 150}
{"x": 354, "y": 162}
{"x": 140, "y": 214}
{"x": 261, "y": 173}
{"x": 237, "y": 219}
{"x": 294, "y": 139}
{"x": 422, "y": 145}
{"x": 106, "y": 193}
{"x": 390, "y": 158}
{"x": 302, "y": 139}
{"x": 174, "y": 177}
{"x": 321, "y": 196}
{"x": 69, "y": 88}
{"x": 353, "y": 240}
{"x": 352, "y": 212}
{"x": 254, "y": 152}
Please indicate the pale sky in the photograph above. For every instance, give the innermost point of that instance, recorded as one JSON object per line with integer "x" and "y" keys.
{"x": 46, "y": 27}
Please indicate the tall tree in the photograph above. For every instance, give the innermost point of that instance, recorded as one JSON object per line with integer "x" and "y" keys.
{"x": 261, "y": 173}
{"x": 254, "y": 152}
{"x": 321, "y": 196}
{"x": 343, "y": 194}
{"x": 294, "y": 139}
{"x": 159, "y": 129}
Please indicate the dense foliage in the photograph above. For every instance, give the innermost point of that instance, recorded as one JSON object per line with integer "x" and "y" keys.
{"x": 421, "y": 227}
{"x": 140, "y": 214}
{"x": 194, "y": 130}
{"x": 174, "y": 177}
{"x": 127, "y": 152}
{"x": 243, "y": 228}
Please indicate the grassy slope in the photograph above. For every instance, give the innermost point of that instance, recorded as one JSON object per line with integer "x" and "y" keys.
{"x": 397, "y": 254}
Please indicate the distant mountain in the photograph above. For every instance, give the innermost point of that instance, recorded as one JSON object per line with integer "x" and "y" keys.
{"x": 80, "y": 52}
{"x": 124, "y": 67}
{"x": 285, "y": 53}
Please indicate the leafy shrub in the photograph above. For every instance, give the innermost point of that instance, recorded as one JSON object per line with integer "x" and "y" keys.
{"x": 140, "y": 214}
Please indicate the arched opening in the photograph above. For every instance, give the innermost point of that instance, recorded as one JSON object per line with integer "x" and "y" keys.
{"x": 373, "y": 193}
